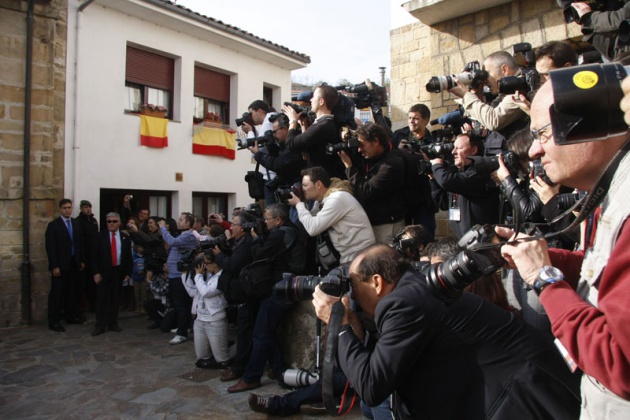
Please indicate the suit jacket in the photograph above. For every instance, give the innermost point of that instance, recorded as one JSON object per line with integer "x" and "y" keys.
{"x": 59, "y": 245}
{"x": 102, "y": 256}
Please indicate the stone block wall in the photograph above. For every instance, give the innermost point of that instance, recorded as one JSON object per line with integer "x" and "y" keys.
{"x": 47, "y": 146}
{"x": 419, "y": 52}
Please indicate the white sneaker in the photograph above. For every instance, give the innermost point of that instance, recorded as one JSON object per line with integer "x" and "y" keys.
{"x": 174, "y": 330}
{"x": 178, "y": 339}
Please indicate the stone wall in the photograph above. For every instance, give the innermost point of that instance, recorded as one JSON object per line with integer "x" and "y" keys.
{"x": 419, "y": 52}
{"x": 47, "y": 146}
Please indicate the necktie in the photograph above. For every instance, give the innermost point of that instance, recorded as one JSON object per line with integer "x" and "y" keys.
{"x": 69, "y": 226}
{"x": 114, "y": 250}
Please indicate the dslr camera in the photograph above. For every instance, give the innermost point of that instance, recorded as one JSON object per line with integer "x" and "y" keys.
{"x": 488, "y": 164}
{"x": 299, "y": 288}
{"x": 189, "y": 260}
{"x": 220, "y": 241}
{"x": 571, "y": 15}
{"x": 349, "y": 145}
{"x": 283, "y": 193}
{"x": 473, "y": 75}
{"x": 480, "y": 257}
{"x": 262, "y": 140}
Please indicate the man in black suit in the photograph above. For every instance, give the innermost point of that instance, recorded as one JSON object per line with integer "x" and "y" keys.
{"x": 89, "y": 228}
{"x": 64, "y": 247}
{"x": 111, "y": 264}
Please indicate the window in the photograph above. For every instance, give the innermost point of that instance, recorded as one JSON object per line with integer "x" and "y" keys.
{"x": 212, "y": 94}
{"x": 207, "y": 203}
{"x": 148, "y": 79}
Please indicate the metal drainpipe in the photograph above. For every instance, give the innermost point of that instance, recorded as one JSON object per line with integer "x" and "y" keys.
{"x": 25, "y": 267}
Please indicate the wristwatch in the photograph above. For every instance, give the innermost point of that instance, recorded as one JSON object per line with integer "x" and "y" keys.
{"x": 548, "y": 275}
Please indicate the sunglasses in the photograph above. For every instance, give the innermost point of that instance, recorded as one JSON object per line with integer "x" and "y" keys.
{"x": 113, "y": 221}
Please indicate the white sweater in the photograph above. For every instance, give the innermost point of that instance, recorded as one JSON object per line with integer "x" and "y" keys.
{"x": 350, "y": 229}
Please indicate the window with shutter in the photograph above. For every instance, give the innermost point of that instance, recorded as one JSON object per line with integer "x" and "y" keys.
{"x": 212, "y": 95}
{"x": 149, "y": 78}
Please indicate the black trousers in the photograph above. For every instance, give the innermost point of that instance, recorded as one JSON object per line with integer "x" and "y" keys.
{"x": 65, "y": 292}
{"x": 182, "y": 303}
{"x": 108, "y": 298}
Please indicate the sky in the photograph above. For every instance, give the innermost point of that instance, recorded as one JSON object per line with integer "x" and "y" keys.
{"x": 345, "y": 39}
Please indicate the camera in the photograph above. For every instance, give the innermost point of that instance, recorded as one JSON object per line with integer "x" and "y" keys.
{"x": 220, "y": 241}
{"x": 262, "y": 140}
{"x": 364, "y": 97}
{"x": 300, "y": 288}
{"x": 350, "y": 145}
{"x": 480, "y": 257}
{"x": 298, "y": 109}
{"x": 247, "y": 118}
{"x": 571, "y": 15}
{"x": 299, "y": 378}
{"x": 568, "y": 200}
{"x": 438, "y": 150}
{"x": 487, "y": 164}
{"x": 528, "y": 81}
{"x": 189, "y": 260}
{"x": 283, "y": 193}
{"x": 472, "y": 75}
{"x": 536, "y": 169}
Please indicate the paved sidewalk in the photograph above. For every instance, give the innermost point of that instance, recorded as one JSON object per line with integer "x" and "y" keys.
{"x": 133, "y": 374}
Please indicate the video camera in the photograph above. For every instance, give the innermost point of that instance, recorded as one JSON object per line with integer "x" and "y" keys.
{"x": 283, "y": 193}
{"x": 300, "y": 288}
{"x": 473, "y": 75}
{"x": 262, "y": 140}
{"x": 364, "y": 97}
{"x": 447, "y": 280}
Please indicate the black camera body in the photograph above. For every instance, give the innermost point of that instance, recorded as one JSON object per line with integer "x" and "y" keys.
{"x": 298, "y": 108}
{"x": 265, "y": 139}
{"x": 283, "y": 193}
{"x": 189, "y": 260}
{"x": 438, "y": 150}
{"x": 220, "y": 241}
{"x": 364, "y": 97}
{"x": 571, "y": 15}
{"x": 247, "y": 117}
{"x": 528, "y": 81}
{"x": 480, "y": 257}
{"x": 349, "y": 145}
{"x": 536, "y": 169}
{"x": 300, "y": 288}
{"x": 487, "y": 164}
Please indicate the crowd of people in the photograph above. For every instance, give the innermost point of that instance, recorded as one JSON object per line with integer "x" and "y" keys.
{"x": 425, "y": 332}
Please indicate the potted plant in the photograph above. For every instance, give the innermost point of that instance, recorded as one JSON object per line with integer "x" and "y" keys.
{"x": 150, "y": 110}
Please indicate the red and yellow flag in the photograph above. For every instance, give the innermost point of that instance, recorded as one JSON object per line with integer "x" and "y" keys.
{"x": 214, "y": 141}
{"x": 153, "y": 131}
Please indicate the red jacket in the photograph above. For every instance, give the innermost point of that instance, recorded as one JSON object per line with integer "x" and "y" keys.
{"x": 598, "y": 339}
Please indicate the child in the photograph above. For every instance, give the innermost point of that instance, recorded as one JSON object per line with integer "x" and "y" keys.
{"x": 138, "y": 278}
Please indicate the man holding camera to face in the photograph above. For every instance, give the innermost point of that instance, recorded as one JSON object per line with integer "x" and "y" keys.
{"x": 504, "y": 111}
{"x": 471, "y": 197}
{"x": 588, "y": 309}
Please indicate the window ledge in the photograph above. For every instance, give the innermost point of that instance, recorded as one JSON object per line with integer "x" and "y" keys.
{"x": 431, "y": 12}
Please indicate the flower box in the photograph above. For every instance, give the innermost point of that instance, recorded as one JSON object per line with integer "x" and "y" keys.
{"x": 153, "y": 111}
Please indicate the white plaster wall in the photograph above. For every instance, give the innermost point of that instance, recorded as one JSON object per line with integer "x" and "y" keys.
{"x": 107, "y": 141}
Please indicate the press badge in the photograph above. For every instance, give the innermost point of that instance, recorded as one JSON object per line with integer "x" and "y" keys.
{"x": 565, "y": 355}
{"x": 454, "y": 214}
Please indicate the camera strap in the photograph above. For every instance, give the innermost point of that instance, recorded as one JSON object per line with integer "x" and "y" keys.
{"x": 330, "y": 356}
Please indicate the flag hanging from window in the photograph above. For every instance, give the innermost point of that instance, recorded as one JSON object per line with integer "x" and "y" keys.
{"x": 153, "y": 131}
{"x": 214, "y": 141}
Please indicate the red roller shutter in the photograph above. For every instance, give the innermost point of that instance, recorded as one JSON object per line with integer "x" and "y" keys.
{"x": 150, "y": 69}
{"x": 212, "y": 85}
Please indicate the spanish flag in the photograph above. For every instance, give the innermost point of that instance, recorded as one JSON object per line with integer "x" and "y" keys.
{"x": 214, "y": 141}
{"x": 153, "y": 131}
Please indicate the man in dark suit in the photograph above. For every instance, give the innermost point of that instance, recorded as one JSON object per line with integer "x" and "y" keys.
{"x": 64, "y": 247}
{"x": 89, "y": 228}
{"x": 111, "y": 264}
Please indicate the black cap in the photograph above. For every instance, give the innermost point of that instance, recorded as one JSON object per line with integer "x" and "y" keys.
{"x": 85, "y": 203}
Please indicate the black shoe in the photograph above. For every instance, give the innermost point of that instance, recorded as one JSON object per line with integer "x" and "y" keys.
{"x": 98, "y": 331}
{"x": 114, "y": 328}
{"x": 57, "y": 328}
{"x": 259, "y": 404}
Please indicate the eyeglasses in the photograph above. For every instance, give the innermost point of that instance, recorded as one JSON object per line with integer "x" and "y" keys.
{"x": 113, "y": 221}
{"x": 540, "y": 136}
{"x": 269, "y": 218}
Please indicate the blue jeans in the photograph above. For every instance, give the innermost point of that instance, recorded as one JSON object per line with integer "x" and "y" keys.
{"x": 380, "y": 412}
{"x": 265, "y": 345}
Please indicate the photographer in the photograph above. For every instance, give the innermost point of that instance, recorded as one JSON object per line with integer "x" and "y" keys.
{"x": 601, "y": 27}
{"x": 380, "y": 185}
{"x": 285, "y": 162}
{"x": 471, "y": 197}
{"x": 416, "y": 131}
{"x": 313, "y": 141}
{"x": 335, "y": 211}
{"x": 428, "y": 355}
{"x": 504, "y": 111}
{"x": 554, "y": 55}
{"x": 240, "y": 242}
{"x": 591, "y": 324}
{"x": 178, "y": 245}
{"x": 154, "y": 250}
{"x": 288, "y": 253}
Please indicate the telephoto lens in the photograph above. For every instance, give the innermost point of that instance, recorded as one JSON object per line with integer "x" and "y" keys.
{"x": 299, "y": 378}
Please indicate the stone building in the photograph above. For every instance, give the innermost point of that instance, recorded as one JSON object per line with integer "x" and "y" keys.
{"x": 451, "y": 33}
